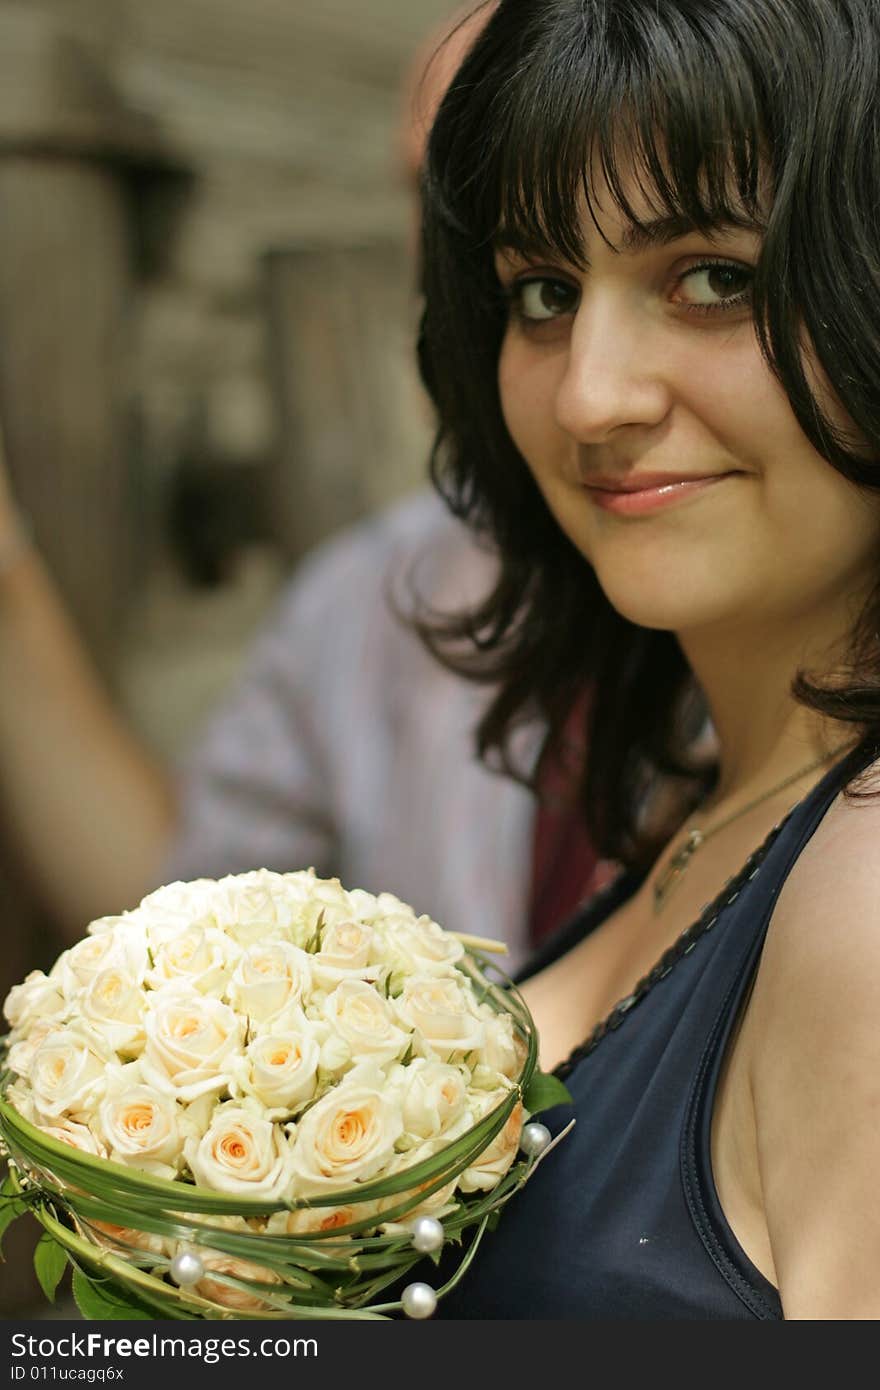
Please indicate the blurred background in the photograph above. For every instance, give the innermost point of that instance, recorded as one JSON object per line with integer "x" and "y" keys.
{"x": 206, "y": 323}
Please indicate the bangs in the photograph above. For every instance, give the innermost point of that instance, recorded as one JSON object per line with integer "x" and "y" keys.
{"x": 663, "y": 107}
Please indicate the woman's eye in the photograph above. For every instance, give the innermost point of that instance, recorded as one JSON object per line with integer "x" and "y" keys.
{"x": 718, "y": 285}
{"x": 539, "y": 300}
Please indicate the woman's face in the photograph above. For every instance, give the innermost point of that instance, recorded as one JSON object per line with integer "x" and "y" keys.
{"x": 668, "y": 452}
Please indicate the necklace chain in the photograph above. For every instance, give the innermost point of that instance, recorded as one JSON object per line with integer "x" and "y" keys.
{"x": 684, "y": 944}
{"x": 679, "y": 862}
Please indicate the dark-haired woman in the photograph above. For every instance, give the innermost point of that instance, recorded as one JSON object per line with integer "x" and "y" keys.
{"x": 652, "y": 331}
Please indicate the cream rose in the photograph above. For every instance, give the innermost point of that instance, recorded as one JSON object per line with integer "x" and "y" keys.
{"x": 270, "y": 977}
{"x": 327, "y": 905}
{"x": 21, "y": 1054}
{"x": 191, "y": 1040}
{"x": 258, "y": 906}
{"x": 438, "y": 1203}
{"x": 125, "y": 1240}
{"x": 77, "y": 1136}
{"x": 241, "y": 1152}
{"x": 495, "y": 1160}
{"x": 39, "y": 997}
{"x": 503, "y": 1050}
{"x": 222, "y": 1286}
{"x": 280, "y": 1070}
{"x": 344, "y": 954}
{"x": 200, "y": 956}
{"x": 346, "y": 1137}
{"x": 140, "y": 1126}
{"x": 442, "y": 1013}
{"x": 171, "y": 909}
{"x": 307, "y": 1221}
{"x": 410, "y": 946}
{"x": 68, "y": 1074}
{"x": 114, "y": 1005}
{"x": 364, "y": 905}
{"x": 361, "y": 1016}
{"x": 121, "y": 943}
{"x": 435, "y": 1095}
{"x": 19, "y": 1096}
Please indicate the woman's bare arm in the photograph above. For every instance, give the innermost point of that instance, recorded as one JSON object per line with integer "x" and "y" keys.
{"x": 90, "y": 809}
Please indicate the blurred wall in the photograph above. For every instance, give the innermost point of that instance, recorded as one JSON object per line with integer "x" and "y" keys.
{"x": 246, "y": 139}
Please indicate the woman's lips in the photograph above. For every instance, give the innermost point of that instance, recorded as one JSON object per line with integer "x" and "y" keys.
{"x": 649, "y": 492}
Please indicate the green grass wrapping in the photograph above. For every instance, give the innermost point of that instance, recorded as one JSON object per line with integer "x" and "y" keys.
{"x": 328, "y": 1274}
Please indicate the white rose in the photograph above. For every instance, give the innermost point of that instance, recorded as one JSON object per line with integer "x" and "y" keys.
{"x": 442, "y": 1012}
{"x": 388, "y": 905}
{"x": 68, "y": 1074}
{"x": 241, "y": 1153}
{"x": 77, "y": 1136}
{"x": 344, "y": 953}
{"x": 494, "y": 1161}
{"x": 270, "y": 977}
{"x": 362, "y": 1018}
{"x": 121, "y": 944}
{"x": 258, "y": 906}
{"x": 280, "y": 1070}
{"x": 327, "y": 905}
{"x": 115, "y": 1005}
{"x": 346, "y": 1137}
{"x": 503, "y": 1049}
{"x": 200, "y": 956}
{"x": 21, "y": 1054}
{"x": 409, "y": 946}
{"x": 171, "y": 909}
{"x": 191, "y": 1040}
{"x": 439, "y": 1203}
{"x": 435, "y": 1095}
{"x": 324, "y": 892}
{"x": 19, "y": 1096}
{"x": 365, "y": 906}
{"x": 140, "y": 1127}
{"x": 38, "y": 997}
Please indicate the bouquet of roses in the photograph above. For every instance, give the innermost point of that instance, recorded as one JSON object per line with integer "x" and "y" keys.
{"x": 265, "y": 1096}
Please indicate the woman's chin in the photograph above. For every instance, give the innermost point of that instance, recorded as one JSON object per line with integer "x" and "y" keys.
{"x": 664, "y": 611}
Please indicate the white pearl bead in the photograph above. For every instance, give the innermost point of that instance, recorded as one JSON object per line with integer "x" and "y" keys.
{"x": 534, "y": 1139}
{"x": 419, "y": 1300}
{"x": 427, "y": 1235}
{"x": 187, "y": 1268}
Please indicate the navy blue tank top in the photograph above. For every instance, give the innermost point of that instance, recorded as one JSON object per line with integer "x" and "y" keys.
{"x": 622, "y": 1219}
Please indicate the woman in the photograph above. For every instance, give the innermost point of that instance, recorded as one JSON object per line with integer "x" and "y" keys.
{"x": 652, "y": 332}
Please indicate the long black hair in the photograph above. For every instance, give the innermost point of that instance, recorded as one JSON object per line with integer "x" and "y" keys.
{"x": 758, "y": 111}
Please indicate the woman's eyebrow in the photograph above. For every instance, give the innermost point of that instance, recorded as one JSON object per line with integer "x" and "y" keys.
{"x": 661, "y": 231}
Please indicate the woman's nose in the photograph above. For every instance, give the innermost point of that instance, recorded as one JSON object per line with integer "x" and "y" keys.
{"x": 614, "y": 376}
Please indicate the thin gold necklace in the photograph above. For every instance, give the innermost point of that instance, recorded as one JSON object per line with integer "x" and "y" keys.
{"x": 678, "y": 864}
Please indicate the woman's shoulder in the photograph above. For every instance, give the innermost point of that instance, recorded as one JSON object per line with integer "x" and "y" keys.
{"x": 830, "y": 901}
{"x": 823, "y": 945}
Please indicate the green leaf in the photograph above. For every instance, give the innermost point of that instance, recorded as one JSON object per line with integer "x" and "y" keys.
{"x": 545, "y": 1091}
{"x": 50, "y": 1262}
{"x": 12, "y": 1206}
{"x": 10, "y": 1210}
{"x": 105, "y": 1300}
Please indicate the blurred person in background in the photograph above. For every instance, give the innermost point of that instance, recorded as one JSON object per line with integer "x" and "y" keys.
{"x": 343, "y": 744}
